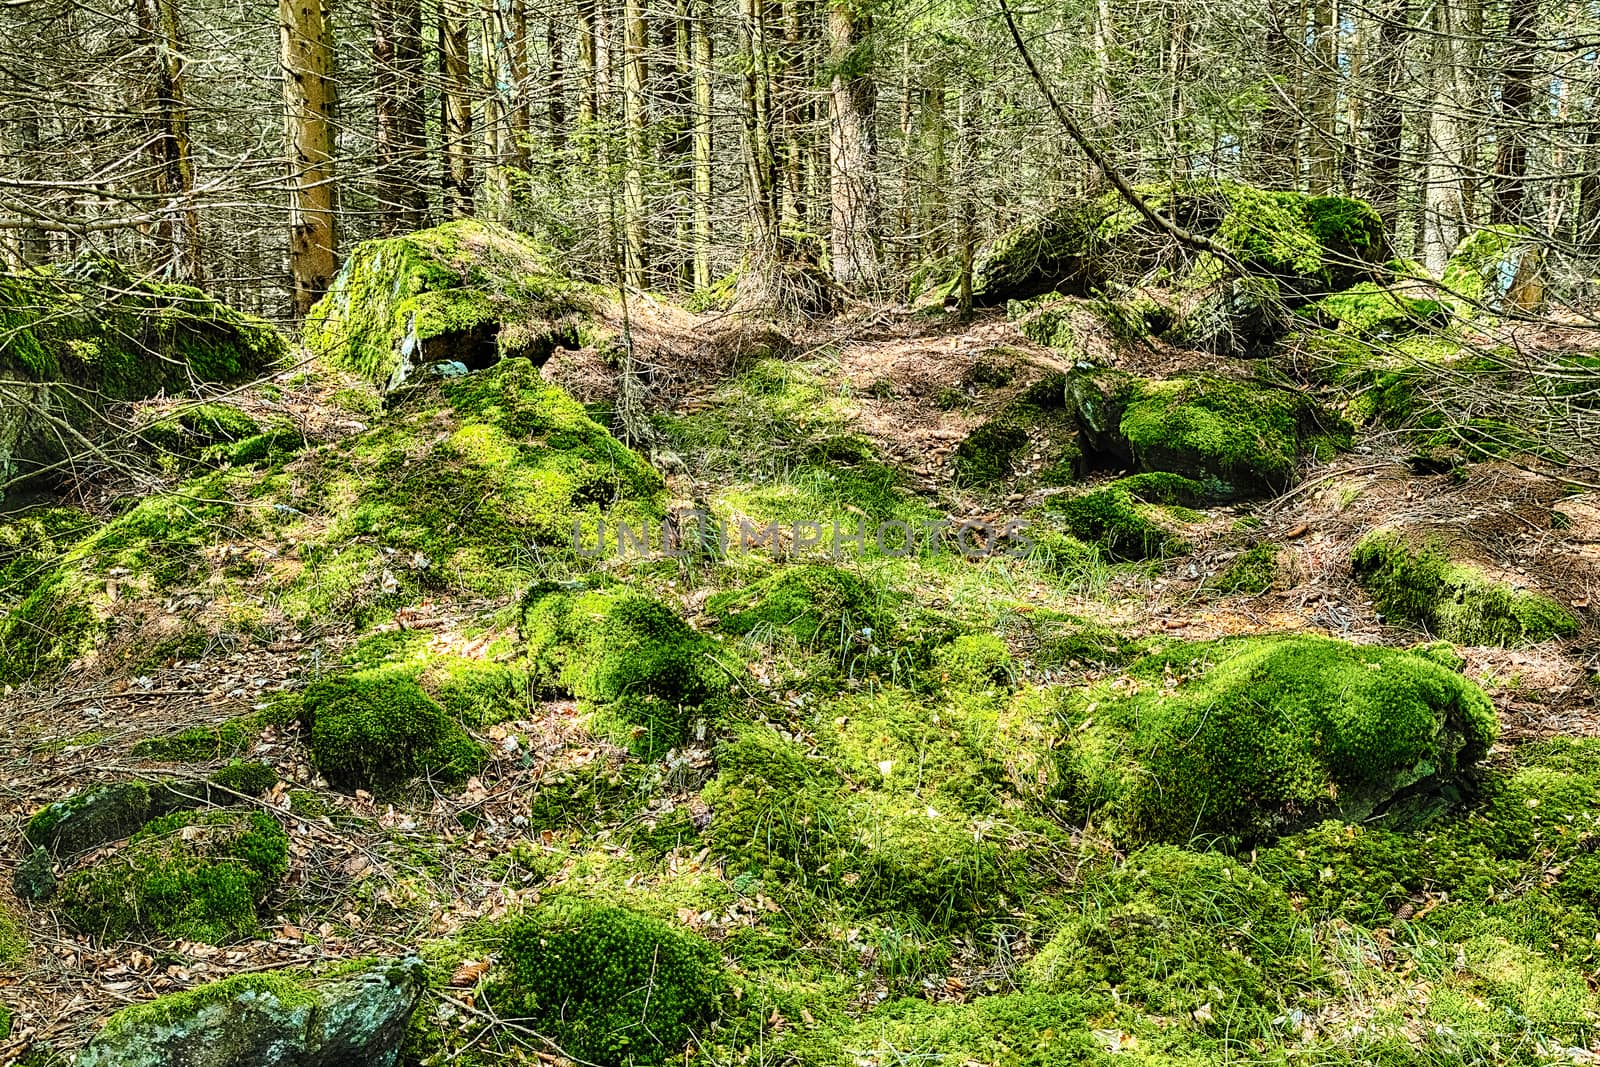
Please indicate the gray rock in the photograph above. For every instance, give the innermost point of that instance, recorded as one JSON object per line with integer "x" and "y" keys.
{"x": 270, "y": 1019}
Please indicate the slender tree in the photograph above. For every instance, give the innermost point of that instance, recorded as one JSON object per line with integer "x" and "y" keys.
{"x": 853, "y": 247}
{"x": 307, "y": 55}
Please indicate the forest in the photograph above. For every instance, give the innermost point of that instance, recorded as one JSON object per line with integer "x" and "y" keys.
{"x": 799, "y": 533}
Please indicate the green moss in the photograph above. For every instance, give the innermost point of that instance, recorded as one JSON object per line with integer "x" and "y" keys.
{"x": 377, "y": 730}
{"x": 199, "y": 876}
{"x": 1374, "y": 312}
{"x": 1246, "y": 437}
{"x": 609, "y": 985}
{"x": 1124, "y": 518}
{"x": 468, "y": 290}
{"x": 627, "y": 657}
{"x": 190, "y": 430}
{"x": 31, "y": 542}
{"x": 251, "y": 779}
{"x": 819, "y": 606}
{"x": 975, "y": 661}
{"x": 1417, "y": 582}
{"x": 1476, "y": 268}
{"x": 96, "y": 324}
{"x": 1251, "y": 572}
{"x": 1048, "y": 321}
{"x": 1263, "y": 733}
{"x": 90, "y": 818}
{"x": 13, "y": 942}
{"x": 176, "y": 1008}
{"x": 984, "y": 457}
{"x": 200, "y": 743}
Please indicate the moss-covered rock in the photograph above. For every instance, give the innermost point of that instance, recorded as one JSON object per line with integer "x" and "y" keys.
{"x": 1261, "y": 734}
{"x": 31, "y": 542}
{"x": 1376, "y": 312}
{"x": 377, "y": 730}
{"x": 628, "y": 658}
{"x": 104, "y": 333}
{"x": 1491, "y": 264}
{"x": 1251, "y": 572}
{"x": 1240, "y": 438}
{"x": 248, "y": 779}
{"x": 269, "y": 1018}
{"x": 195, "y": 875}
{"x": 468, "y": 291}
{"x": 611, "y": 986}
{"x": 1311, "y": 245}
{"x": 196, "y": 744}
{"x": 820, "y": 606}
{"x": 1129, "y": 519}
{"x": 92, "y": 818}
{"x": 984, "y": 457}
{"x": 34, "y": 880}
{"x": 1414, "y": 579}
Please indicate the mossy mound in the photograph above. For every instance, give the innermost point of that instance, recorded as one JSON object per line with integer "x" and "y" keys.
{"x": 468, "y": 291}
{"x": 31, "y": 542}
{"x": 1130, "y": 519}
{"x": 1312, "y": 245}
{"x": 975, "y": 662}
{"x": 103, "y": 333}
{"x": 1262, "y": 734}
{"x": 1484, "y": 267}
{"x": 1415, "y": 580}
{"x": 352, "y": 1016}
{"x": 983, "y": 458}
{"x": 377, "y": 730}
{"x": 1173, "y": 930}
{"x": 611, "y": 986}
{"x": 459, "y": 489}
{"x": 248, "y": 779}
{"x": 821, "y": 607}
{"x": 628, "y": 658}
{"x": 191, "y": 430}
{"x": 196, "y": 744}
{"x": 1252, "y": 572}
{"x": 195, "y": 875}
{"x": 1240, "y": 438}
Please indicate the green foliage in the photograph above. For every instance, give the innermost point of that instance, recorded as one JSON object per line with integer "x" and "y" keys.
{"x": 629, "y": 658}
{"x": 377, "y": 730}
{"x": 1418, "y": 582}
{"x": 984, "y": 457}
{"x": 468, "y": 290}
{"x": 199, "y": 876}
{"x": 975, "y": 661}
{"x": 1375, "y": 312}
{"x": 1248, "y": 737}
{"x": 1251, "y": 572}
{"x": 611, "y": 986}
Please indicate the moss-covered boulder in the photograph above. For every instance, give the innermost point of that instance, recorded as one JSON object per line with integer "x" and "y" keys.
{"x": 1249, "y": 737}
{"x": 628, "y": 658}
{"x": 1310, "y": 245}
{"x": 1495, "y": 268}
{"x": 1414, "y": 579}
{"x": 377, "y": 730}
{"x": 270, "y": 1019}
{"x": 609, "y": 985}
{"x": 1373, "y": 312}
{"x": 98, "y": 816}
{"x": 92, "y": 331}
{"x": 1134, "y": 518}
{"x": 468, "y": 291}
{"x": 31, "y": 542}
{"x": 1239, "y": 438}
{"x": 195, "y": 875}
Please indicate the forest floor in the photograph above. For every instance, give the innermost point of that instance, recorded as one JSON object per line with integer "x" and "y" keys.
{"x": 436, "y": 865}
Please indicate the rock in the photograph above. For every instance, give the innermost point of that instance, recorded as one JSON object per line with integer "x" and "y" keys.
{"x": 1239, "y": 438}
{"x": 96, "y": 325}
{"x": 35, "y": 877}
{"x": 271, "y": 1019}
{"x": 89, "y": 819}
{"x": 1418, "y": 576}
{"x": 1500, "y": 269}
{"x": 466, "y": 292}
{"x": 1250, "y": 737}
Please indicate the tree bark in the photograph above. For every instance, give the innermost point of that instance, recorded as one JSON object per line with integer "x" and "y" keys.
{"x": 636, "y": 41}
{"x": 455, "y": 42}
{"x": 853, "y": 250}
{"x": 1516, "y": 105}
{"x": 178, "y": 231}
{"x": 701, "y": 29}
{"x": 307, "y": 56}
{"x": 398, "y": 109}
{"x": 1388, "y": 121}
{"x": 1324, "y": 94}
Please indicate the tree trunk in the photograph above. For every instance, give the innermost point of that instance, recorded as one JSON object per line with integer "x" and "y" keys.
{"x": 1388, "y": 122}
{"x": 853, "y": 251}
{"x": 636, "y": 40}
{"x": 588, "y": 56}
{"x": 178, "y": 231}
{"x": 1443, "y": 211}
{"x": 1324, "y": 95}
{"x": 762, "y": 283}
{"x": 456, "y": 105}
{"x": 398, "y": 108}
{"x": 1516, "y": 106}
{"x": 556, "y": 90}
{"x": 701, "y": 28}
{"x": 307, "y": 39}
